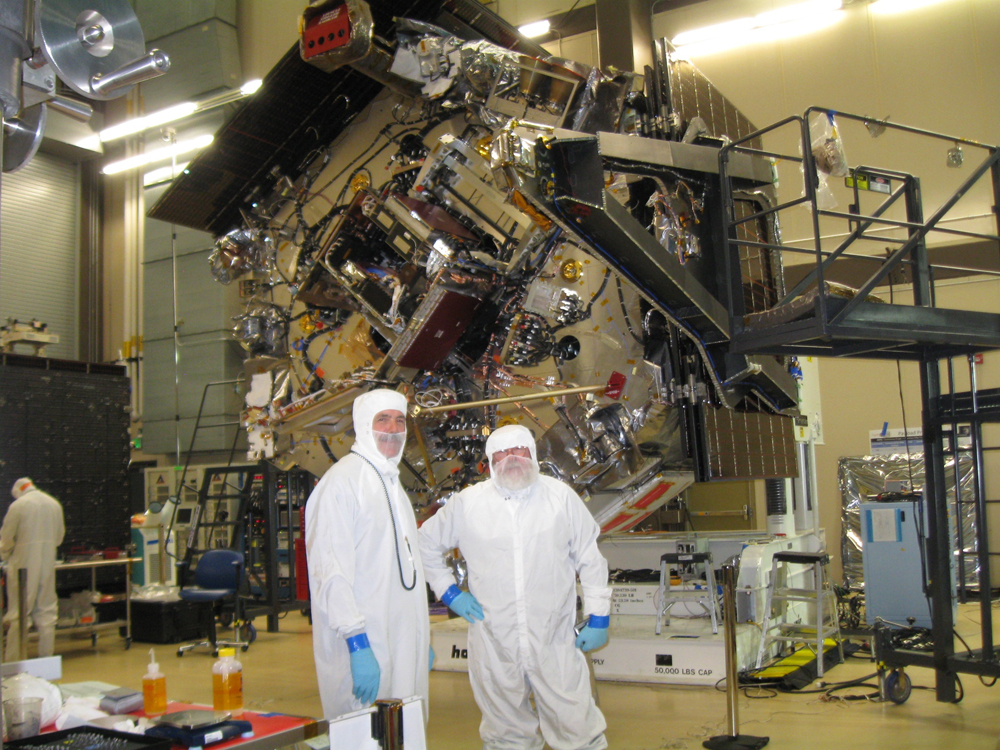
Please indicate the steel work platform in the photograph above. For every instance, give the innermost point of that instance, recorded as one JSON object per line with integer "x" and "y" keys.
{"x": 819, "y": 318}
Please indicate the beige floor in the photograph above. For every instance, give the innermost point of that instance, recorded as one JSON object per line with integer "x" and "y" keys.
{"x": 279, "y": 676}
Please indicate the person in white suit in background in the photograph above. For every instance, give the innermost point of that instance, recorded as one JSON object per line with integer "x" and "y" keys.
{"x": 32, "y": 531}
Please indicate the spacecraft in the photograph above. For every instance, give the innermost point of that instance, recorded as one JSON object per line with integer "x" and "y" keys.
{"x": 507, "y": 237}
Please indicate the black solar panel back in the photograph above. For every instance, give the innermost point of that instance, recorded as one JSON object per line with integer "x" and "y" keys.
{"x": 300, "y": 108}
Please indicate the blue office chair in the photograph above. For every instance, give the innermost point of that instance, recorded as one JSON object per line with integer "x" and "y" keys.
{"x": 217, "y": 578}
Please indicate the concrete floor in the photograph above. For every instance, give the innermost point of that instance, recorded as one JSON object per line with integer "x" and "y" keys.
{"x": 279, "y": 676}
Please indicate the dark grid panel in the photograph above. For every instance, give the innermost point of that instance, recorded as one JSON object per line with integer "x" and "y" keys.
{"x": 760, "y": 289}
{"x": 68, "y": 429}
{"x": 298, "y": 109}
{"x": 749, "y": 445}
{"x": 693, "y": 95}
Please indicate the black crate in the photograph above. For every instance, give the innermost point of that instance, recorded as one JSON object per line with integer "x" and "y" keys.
{"x": 110, "y": 611}
{"x": 170, "y": 622}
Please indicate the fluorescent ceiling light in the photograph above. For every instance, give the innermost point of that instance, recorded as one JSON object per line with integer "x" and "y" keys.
{"x": 887, "y": 7}
{"x": 178, "y": 112}
{"x": 534, "y": 29}
{"x": 718, "y": 31}
{"x": 163, "y": 174}
{"x": 159, "y": 154}
{"x": 250, "y": 87}
{"x": 139, "y": 124}
{"x": 783, "y": 23}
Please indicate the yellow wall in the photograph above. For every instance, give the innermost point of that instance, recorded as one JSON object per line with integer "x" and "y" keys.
{"x": 266, "y": 31}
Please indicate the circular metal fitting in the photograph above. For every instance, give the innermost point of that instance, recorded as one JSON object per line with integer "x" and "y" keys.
{"x": 571, "y": 270}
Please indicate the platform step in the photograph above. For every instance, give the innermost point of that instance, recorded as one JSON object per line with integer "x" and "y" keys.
{"x": 808, "y": 595}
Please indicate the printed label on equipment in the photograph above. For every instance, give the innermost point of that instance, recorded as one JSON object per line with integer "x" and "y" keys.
{"x": 869, "y": 182}
{"x": 883, "y": 526}
{"x": 633, "y": 599}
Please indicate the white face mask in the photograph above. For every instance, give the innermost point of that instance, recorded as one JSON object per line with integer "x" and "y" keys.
{"x": 515, "y": 472}
{"x": 389, "y": 444}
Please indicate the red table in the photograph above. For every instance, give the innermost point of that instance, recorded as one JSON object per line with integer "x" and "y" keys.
{"x": 270, "y": 730}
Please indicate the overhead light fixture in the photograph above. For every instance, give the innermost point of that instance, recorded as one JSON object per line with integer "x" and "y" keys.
{"x": 718, "y": 31}
{"x": 250, "y": 87}
{"x": 140, "y": 124}
{"x": 531, "y": 30}
{"x": 887, "y": 7}
{"x": 163, "y": 174}
{"x": 159, "y": 154}
{"x": 783, "y": 23}
{"x": 177, "y": 112}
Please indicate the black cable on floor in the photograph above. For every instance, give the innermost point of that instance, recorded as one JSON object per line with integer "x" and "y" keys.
{"x": 967, "y": 648}
{"x": 826, "y": 688}
{"x": 771, "y": 687}
{"x": 861, "y": 697}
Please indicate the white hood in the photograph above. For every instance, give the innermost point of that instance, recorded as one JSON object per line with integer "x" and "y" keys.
{"x": 365, "y": 409}
{"x": 505, "y": 438}
{"x": 22, "y": 485}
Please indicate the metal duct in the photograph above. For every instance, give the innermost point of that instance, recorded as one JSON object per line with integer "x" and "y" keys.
{"x": 625, "y": 34}
{"x": 777, "y": 503}
{"x": 780, "y": 521}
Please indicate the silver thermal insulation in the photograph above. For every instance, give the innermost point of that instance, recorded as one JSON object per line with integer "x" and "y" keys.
{"x": 863, "y": 477}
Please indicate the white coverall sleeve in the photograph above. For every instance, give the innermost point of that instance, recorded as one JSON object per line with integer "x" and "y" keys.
{"x": 330, "y": 553}
{"x": 438, "y": 536}
{"x": 60, "y": 528}
{"x": 590, "y": 564}
{"x": 8, "y": 534}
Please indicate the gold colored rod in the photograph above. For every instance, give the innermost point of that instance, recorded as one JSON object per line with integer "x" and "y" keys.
{"x": 419, "y": 411}
{"x": 419, "y": 434}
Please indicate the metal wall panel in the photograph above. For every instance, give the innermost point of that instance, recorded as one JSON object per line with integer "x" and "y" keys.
{"x": 38, "y": 265}
{"x": 203, "y": 305}
{"x": 159, "y": 19}
{"x": 206, "y": 352}
{"x": 157, "y": 244}
{"x": 160, "y": 434}
{"x": 158, "y": 240}
{"x": 203, "y": 58}
{"x": 198, "y": 363}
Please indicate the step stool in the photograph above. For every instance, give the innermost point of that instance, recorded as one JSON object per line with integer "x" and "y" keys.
{"x": 668, "y": 595}
{"x": 819, "y": 595}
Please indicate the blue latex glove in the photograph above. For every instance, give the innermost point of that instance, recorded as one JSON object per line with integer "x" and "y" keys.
{"x": 463, "y": 603}
{"x": 364, "y": 669}
{"x": 595, "y": 634}
{"x": 430, "y": 663}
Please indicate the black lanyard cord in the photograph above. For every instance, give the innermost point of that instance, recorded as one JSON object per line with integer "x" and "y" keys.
{"x": 395, "y": 535}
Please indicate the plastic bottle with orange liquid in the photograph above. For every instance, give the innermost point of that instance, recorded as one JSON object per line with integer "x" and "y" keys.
{"x": 154, "y": 689}
{"x": 227, "y": 683}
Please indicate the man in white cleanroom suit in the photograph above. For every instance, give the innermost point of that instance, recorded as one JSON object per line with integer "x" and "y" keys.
{"x": 371, "y": 632}
{"x": 32, "y": 530}
{"x": 525, "y": 538}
